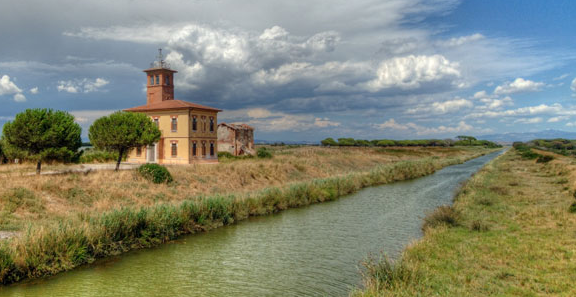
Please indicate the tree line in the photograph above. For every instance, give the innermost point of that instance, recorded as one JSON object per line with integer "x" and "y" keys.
{"x": 40, "y": 135}
{"x": 461, "y": 140}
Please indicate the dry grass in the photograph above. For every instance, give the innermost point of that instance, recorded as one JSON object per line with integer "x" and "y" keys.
{"x": 65, "y": 195}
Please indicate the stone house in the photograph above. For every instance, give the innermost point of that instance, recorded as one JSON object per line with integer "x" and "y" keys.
{"x": 236, "y": 139}
{"x": 189, "y": 130}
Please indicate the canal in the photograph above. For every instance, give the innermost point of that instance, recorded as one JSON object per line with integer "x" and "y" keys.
{"x": 311, "y": 251}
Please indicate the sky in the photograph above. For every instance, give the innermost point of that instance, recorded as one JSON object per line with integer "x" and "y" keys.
{"x": 303, "y": 70}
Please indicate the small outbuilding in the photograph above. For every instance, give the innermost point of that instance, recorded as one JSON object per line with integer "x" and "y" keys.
{"x": 237, "y": 139}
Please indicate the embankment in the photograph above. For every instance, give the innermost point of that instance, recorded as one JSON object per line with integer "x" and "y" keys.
{"x": 509, "y": 232}
{"x": 73, "y": 241}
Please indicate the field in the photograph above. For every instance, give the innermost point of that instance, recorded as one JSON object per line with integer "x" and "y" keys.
{"x": 68, "y": 220}
{"x": 511, "y": 232}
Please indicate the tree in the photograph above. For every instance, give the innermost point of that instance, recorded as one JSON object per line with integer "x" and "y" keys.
{"x": 329, "y": 142}
{"x": 42, "y": 134}
{"x": 122, "y": 131}
{"x": 470, "y": 139}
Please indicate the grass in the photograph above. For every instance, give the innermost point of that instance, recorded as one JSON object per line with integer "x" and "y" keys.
{"x": 67, "y": 241}
{"x": 520, "y": 243}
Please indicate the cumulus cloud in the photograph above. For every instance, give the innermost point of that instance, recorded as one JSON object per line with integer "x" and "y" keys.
{"x": 34, "y": 91}
{"x": 573, "y": 85}
{"x": 8, "y": 87}
{"x": 411, "y": 71}
{"x": 518, "y": 86}
{"x": 557, "y": 119}
{"x": 81, "y": 86}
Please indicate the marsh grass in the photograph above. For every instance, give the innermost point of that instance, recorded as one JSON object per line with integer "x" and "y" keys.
{"x": 59, "y": 245}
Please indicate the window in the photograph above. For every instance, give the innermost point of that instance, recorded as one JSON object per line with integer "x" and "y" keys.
{"x": 157, "y": 79}
{"x": 211, "y": 124}
{"x": 194, "y": 123}
{"x": 167, "y": 80}
{"x": 194, "y": 148}
{"x": 151, "y": 80}
{"x": 212, "y": 149}
{"x": 174, "y": 124}
{"x": 157, "y": 122}
{"x": 204, "y": 148}
{"x": 139, "y": 151}
{"x": 174, "y": 149}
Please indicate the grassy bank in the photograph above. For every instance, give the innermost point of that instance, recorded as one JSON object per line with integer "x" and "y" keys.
{"x": 509, "y": 233}
{"x": 58, "y": 245}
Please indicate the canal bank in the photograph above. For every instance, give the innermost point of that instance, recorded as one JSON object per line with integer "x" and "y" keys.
{"x": 309, "y": 251}
{"x": 514, "y": 236}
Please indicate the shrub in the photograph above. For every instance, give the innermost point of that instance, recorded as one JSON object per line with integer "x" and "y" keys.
{"x": 263, "y": 153}
{"x": 443, "y": 215}
{"x": 544, "y": 159}
{"x": 479, "y": 226}
{"x": 384, "y": 274}
{"x": 155, "y": 173}
{"x": 225, "y": 155}
{"x": 572, "y": 208}
{"x": 94, "y": 155}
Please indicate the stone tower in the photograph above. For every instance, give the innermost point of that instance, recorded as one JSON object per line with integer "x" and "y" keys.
{"x": 160, "y": 86}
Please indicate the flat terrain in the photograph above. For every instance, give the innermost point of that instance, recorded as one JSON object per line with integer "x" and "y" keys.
{"x": 30, "y": 199}
{"x": 514, "y": 236}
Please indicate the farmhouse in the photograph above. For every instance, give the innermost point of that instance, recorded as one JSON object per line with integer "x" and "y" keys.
{"x": 189, "y": 130}
{"x": 236, "y": 139}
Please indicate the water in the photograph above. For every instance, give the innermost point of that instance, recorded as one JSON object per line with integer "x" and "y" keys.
{"x": 311, "y": 251}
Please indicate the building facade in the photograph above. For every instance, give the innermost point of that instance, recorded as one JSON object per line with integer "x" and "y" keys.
{"x": 189, "y": 130}
{"x": 236, "y": 139}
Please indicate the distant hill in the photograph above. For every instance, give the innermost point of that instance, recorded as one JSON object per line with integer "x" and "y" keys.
{"x": 527, "y": 136}
{"x": 287, "y": 142}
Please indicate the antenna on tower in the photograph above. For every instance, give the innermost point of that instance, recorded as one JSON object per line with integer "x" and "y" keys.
{"x": 160, "y": 63}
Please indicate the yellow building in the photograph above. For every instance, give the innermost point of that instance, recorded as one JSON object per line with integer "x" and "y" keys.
{"x": 189, "y": 130}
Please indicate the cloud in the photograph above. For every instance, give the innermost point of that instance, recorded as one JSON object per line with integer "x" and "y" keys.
{"x": 458, "y": 41}
{"x": 34, "y": 91}
{"x": 19, "y": 97}
{"x": 573, "y": 85}
{"x": 444, "y": 107}
{"x": 411, "y": 71}
{"x": 557, "y": 119}
{"x": 8, "y": 87}
{"x": 561, "y": 77}
{"x": 84, "y": 85}
{"x": 89, "y": 116}
{"x": 518, "y": 86}
{"x": 410, "y": 127}
{"x": 535, "y": 120}
{"x": 268, "y": 121}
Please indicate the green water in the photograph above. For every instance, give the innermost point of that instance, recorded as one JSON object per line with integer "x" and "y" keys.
{"x": 311, "y": 251}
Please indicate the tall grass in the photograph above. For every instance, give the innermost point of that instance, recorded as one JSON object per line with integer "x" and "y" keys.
{"x": 46, "y": 250}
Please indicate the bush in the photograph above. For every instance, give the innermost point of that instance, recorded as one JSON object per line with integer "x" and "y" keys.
{"x": 544, "y": 159}
{"x": 225, "y": 155}
{"x": 155, "y": 173}
{"x": 443, "y": 215}
{"x": 94, "y": 155}
{"x": 264, "y": 153}
{"x": 572, "y": 208}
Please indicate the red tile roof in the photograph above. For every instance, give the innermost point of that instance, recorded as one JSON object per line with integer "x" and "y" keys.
{"x": 171, "y": 104}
